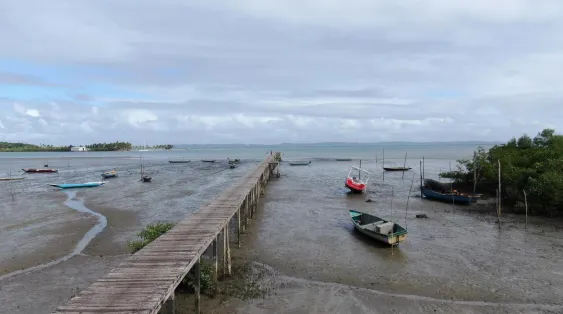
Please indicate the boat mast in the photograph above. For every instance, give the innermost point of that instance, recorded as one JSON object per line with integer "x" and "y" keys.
{"x": 359, "y": 171}
{"x": 404, "y": 166}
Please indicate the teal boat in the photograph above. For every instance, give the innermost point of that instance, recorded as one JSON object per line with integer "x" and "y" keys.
{"x": 377, "y": 228}
{"x": 78, "y": 185}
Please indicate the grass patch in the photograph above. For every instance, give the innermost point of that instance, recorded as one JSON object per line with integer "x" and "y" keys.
{"x": 148, "y": 234}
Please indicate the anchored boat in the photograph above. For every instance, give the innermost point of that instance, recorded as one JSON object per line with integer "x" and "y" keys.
{"x": 208, "y": 160}
{"x": 109, "y": 174}
{"x": 41, "y": 170}
{"x": 355, "y": 183}
{"x": 438, "y": 191}
{"x": 78, "y": 185}
{"x": 12, "y": 179}
{"x": 179, "y": 161}
{"x": 378, "y": 228}
{"x": 397, "y": 168}
{"x": 299, "y": 163}
{"x": 343, "y": 159}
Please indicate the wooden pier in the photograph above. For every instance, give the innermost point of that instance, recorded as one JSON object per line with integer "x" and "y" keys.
{"x": 145, "y": 282}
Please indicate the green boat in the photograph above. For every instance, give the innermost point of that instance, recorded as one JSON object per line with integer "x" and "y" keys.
{"x": 377, "y": 228}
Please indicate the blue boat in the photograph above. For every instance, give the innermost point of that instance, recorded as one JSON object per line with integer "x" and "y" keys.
{"x": 78, "y": 185}
{"x": 435, "y": 190}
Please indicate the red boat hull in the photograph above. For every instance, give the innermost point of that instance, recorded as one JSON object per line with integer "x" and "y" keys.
{"x": 355, "y": 186}
{"x": 31, "y": 170}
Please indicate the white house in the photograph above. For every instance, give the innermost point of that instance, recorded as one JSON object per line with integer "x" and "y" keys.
{"x": 78, "y": 149}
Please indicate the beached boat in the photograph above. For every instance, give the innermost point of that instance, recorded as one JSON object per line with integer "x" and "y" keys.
{"x": 146, "y": 179}
{"x": 208, "y": 160}
{"x": 12, "y": 179}
{"x": 355, "y": 183}
{"x": 343, "y": 159}
{"x": 234, "y": 161}
{"x": 299, "y": 163}
{"x": 78, "y": 185}
{"x": 40, "y": 170}
{"x": 377, "y": 228}
{"x": 179, "y": 161}
{"x": 438, "y": 191}
{"x": 232, "y": 166}
{"x": 109, "y": 174}
{"x": 397, "y": 168}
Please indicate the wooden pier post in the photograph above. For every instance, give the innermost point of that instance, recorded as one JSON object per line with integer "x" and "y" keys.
{"x": 216, "y": 268}
{"x": 225, "y": 230}
{"x": 228, "y": 254}
{"x": 197, "y": 284}
{"x": 169, "y": 306}
{"x": 238, "y": 228}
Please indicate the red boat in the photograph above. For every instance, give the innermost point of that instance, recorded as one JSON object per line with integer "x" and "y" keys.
{"x": 42, "y": 170}
{"x": 355, "y": 183}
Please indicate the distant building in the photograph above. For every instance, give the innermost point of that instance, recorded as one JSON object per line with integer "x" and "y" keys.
{"x": 78, "y": 149}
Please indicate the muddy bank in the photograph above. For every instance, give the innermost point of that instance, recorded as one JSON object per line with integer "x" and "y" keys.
{"x": 457, "y": 260}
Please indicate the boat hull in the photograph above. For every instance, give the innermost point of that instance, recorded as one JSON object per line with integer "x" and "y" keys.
{"x": 343, "y": 159}
{"x": 396, "y": 168}
{"x": 450, "y": 198}
{"x": 179, "y": 161}
{"x": 398, "y": 235}
{"x": 299, "y": 163}
{"x": 32, "y": 170}
{"x": 78, "y": 185}
{"x": 354, "y": 187}
{"x": 11, "y": 179}
{"x": 208, "y": 160}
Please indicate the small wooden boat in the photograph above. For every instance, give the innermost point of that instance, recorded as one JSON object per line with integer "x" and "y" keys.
{"x": 146, "y": 179}
{"x": 355, "y": 183}
{"x": 397, "y": 168}
{"x": 78, "y": 185}
{"x": 109, "y": 174}
{"x": 343, "y": 159}
{"x": 208, "y": 160}
{"x": 377, "y": 228}
{"x": 179, "y": 161}
{"x": 438, "y": 191}
{"x": 234, "y": 161}
{"x": 299, "y": 163}
{"x": 12, "y": 179}
{"x": 40, "y": 170}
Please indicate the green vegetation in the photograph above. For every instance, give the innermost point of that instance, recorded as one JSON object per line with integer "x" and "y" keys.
{"x": 531, "y": 165}
{"x": 23, "y": 147}
{"x": 108, "y": 147}
{"x": 166, "y": 146}
{"x": 149, "y": 234}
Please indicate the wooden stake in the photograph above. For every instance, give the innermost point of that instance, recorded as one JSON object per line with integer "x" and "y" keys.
{"x": 421, "y": 179}
{"x": 408, "y": 198}
{"x": 238, "y": 228}
{"x": 392, "y": 196}
{"x": 383, "y": 165}
{"x": 526, "y": 202}
{"x": 215, "y": 249}
{"x": 225, "y": 230}
{"x": 404, "y": 166}
{"x": 197, "y": 284}
{"x": 228, "y": 254}
{"x": 499, "y": 194}
{"x": 474, "y": 172}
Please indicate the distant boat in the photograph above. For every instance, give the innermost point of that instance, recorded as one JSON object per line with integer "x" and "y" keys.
{"x": 397, "y": 168}
{"x": 12, "y": 179}
{"x": 234, "y": 161}
{"x": 146, "y": 179}
{"x": 343, "y": 159}
{"x": 438, "y": 191}
{"x": 355, "y": 183}
{"x": 299, "y": 163}
{"x": 109, "y": 174}
{"x": 42, "y": 170}
{"x": 208, "y": 160}
{"x": 377, "y": 228}
{"x": 179, "y": 161}
{"x": 78, "y": 185}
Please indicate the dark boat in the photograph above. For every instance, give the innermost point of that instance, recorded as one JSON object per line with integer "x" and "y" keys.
{"x": 299, "y": 163}
{"x": 232, "y": 166}
{"x": 343, "y": 159}
{"x": 208, "y": 160}
{"x": 234, "y": 161}
{"x": 42, "y": 170}
{"x": 397, "y": 168}
{"x": 179, "y": 161}
{"x": 438, "y": 191}
{"x": 146, "y": 179}
{"x": 378, "y": 228}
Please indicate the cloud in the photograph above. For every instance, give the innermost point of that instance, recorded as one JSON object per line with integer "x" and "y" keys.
{"x": 259, "y": 71}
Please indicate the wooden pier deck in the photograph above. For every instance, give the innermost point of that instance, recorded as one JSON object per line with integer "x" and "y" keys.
{"x": 145, "y": 282}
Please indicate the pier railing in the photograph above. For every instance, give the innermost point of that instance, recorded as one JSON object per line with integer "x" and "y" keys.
{"x": 145, "y": 282}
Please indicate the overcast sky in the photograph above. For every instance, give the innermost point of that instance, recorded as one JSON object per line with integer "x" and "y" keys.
{"x": 259, "y": 71}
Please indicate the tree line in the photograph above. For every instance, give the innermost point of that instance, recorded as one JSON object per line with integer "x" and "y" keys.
{"x": 23, "y": 147}
{"x": 527, "y": 165}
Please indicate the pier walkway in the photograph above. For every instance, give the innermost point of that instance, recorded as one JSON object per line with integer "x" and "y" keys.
{"x": 145, "y": 282}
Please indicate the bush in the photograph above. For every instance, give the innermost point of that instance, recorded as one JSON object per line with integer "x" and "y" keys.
{"x": 149, "y": 234}
{"x": 207, "y": 285}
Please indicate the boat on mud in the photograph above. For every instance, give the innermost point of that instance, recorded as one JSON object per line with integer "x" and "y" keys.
{"x": 78, "y": 185}
{"x": 208, "y": 160}
{"x": 299, "y": 163}
{"x": 378, "y": 228}
{"x": 435, "y": 190}
{"x": 12, "y": 179}
{"x": 40, "y": 170}
{"x": 179, "y": 161}
{"x": 343, "y": 159}
{"x": 109, "y": 174}
{"x": 233, "y": 161}
{"x": 397, "y": 168}
{"x": 355, "y": 183}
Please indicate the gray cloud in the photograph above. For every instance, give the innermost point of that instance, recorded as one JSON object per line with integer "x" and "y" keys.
{"x": 255, "y": 71}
